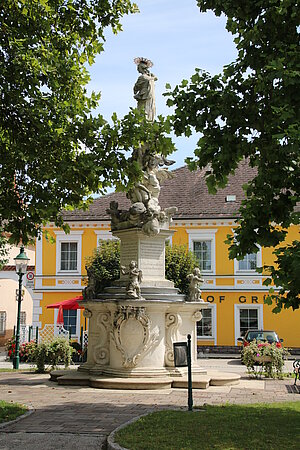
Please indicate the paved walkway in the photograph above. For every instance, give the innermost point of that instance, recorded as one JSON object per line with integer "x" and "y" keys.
{"x": 68, "y": 417}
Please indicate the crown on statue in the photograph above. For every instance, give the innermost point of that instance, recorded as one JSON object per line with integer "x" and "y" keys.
{"x": 142, "y": 60}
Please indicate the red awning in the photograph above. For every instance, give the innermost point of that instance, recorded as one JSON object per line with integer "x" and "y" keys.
{"x": 71, "y": 303}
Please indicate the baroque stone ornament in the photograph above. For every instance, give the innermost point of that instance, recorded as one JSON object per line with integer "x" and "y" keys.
{"x": 173, "y": 323}
{"x": 197, "y": 316}
{"x": 196, "y": 282}
{"x": 145, "y": 212}
{"x": 133, "y": 288}
{"x": 101, "y": 349}
{"x": 131, "y": 334}
{"x": 87, "y": 313}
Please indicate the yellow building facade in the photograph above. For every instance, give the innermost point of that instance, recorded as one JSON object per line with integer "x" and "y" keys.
{"x": 233, "y": 290}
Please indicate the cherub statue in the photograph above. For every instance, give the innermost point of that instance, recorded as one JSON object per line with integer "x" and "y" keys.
{"x": 133, "y": 287}
{"x": 144, "y": 87}
{"x": 195, "y": 283}
{"x": 89, "y": 291}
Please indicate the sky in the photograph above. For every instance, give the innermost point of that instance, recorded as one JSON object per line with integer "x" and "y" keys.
{"x": 177, "y": 38}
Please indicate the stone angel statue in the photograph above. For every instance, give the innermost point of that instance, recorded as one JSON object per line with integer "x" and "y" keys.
{"x": 196, "y": 282}
{"x": 133, "y": 288}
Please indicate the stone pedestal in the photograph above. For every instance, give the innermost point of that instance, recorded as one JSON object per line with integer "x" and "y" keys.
{"x": 134, "y": 337}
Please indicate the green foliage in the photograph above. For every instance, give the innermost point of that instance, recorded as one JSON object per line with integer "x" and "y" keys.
{"x": 269, "y": 426}
{"x": 58, "y": 351}
{"x": 179, "y": 263}
{"x": 251, "y": 110}
{"x": 287, "y": 276}
{"x": 3, "y": 249}
{"x": 105, "y": 261}
{"x": 52, "y": 152}
{"x": 10, "y": 411}
{"x": 269, "y": 356}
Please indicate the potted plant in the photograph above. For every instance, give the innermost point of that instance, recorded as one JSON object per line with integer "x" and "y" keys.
{"x": 269, "y": 357}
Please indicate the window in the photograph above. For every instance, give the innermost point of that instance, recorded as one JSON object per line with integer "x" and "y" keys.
{"x": 202, "y": 251}
{"x": 205, "y": 325}
{"x": 23, "y": 318}
{"x": 247, "y": 317}
{"x": 202, "y": 243}
{"x": 68, "y": 251}
{"x": 70, "y": 320}
{"x": 249, "y": 262}
{"x": 248, "y": 320}
{"x": 2, "y": 322}
{"x": 68, "y": 256}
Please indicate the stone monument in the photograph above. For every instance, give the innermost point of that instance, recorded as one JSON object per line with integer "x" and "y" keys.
{"x": 134, "y": 323}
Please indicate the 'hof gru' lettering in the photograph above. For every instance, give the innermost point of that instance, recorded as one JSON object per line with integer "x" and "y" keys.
{"x": 242, "y": 299}
{"x": 210, "y": 298}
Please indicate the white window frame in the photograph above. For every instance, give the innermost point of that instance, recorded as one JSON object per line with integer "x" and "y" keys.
{"x": 204, "y": 235}
{"x": 213, "y": 336}
{"x": 237, "y": 308}
{"x": 62, "y": 237}
{"x": 3, "y": 318}
{"x": 104, "y": 235}
{"x": 239, "y": 271}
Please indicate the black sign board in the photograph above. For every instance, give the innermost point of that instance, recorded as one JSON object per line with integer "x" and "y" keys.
{"x": 180, "y": 354}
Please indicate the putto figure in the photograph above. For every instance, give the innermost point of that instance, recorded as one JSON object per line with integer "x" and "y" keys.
{"x": 196, "y": 282}
{"x": 133, "y": 288}
{"x": 144, "y": 88}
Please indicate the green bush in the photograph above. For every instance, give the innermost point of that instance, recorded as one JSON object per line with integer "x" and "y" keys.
{"x": 105, "y": 263}
{"x": 58, "y": 351}
{"x": 179, "y": 263}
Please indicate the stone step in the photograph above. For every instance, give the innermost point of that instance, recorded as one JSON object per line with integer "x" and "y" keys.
{"x": 212, "y": 378}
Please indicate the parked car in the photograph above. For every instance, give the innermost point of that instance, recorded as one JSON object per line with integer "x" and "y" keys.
{"x": 262, "y": 336}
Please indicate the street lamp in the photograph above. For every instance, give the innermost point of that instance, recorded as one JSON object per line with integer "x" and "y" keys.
{"x": 21, "y": 268}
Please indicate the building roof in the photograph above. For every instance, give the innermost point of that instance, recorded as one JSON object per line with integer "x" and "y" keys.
{"x": 186, "y": 190}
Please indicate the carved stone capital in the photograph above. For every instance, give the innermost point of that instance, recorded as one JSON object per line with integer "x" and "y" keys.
{"x": 173, "y": 322}
{"x": 197, "y": 315}
{"x": 87, "y": 313}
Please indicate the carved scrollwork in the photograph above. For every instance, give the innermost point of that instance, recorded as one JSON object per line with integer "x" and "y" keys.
{"x": 101, "y": 349}
{"x": 131, "y": 334}
{"x": 197, "y": 315}
{"x": 173, "y": 322}
{"x": 87, "y": 313}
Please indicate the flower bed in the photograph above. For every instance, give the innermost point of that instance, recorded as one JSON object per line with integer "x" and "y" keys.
{"x": 269, "y": 357}
{"x": 26, "y": 350}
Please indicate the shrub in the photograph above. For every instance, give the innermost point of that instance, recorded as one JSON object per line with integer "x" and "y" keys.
{"x": 105, "y": 262}
{"x": 179, "y": 263}
{"x": 268, "y": 356}
{"x": 58, "y": 351}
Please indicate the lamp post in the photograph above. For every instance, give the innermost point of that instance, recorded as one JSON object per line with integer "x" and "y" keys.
{"x": 21, "y": 268}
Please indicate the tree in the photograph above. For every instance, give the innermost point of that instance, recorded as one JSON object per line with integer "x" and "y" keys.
{"x": 105, "y": 263}
{"x": 53, "y": 152}
{"x": 251, "y": 110}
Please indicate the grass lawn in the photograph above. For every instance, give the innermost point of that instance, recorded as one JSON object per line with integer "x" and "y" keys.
{"x": 231, "y": 427}
{"x": 10, "y": 411}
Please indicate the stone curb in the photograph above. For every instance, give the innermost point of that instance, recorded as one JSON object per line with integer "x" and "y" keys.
{"x": 111, "y": 444}
{"x": 23, "y": 416}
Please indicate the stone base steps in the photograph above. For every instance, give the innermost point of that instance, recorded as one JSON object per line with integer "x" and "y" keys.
{"x": 211, "y": 378}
